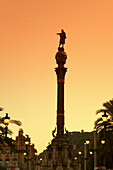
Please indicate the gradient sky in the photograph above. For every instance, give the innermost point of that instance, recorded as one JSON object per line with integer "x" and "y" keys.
{"x": 28, "y": 44}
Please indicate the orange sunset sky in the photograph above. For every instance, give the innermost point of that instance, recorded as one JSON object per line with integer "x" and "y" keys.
{"x": 28, "y": 44}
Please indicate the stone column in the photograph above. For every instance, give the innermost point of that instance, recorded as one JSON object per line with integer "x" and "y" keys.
{"x": 60, "y": 71}
{"x": 95, "y": 148}
{"x": 85, "y": 157}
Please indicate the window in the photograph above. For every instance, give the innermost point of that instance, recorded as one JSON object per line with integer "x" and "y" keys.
{"x": 7, "y": 150}
{"x": 7, "y": 162}
{"x": 15, "y": 162}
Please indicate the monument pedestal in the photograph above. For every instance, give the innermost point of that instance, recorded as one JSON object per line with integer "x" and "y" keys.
{"x": 59, "y": 155}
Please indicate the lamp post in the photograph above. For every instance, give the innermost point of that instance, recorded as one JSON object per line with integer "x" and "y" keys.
{"x": 40, "y": 161}
{"x": 36, "y": 154}
{"x": 105, "y": 119}
{"x": 85, "y": 156}
{"x": 27, "y": 142}
{"x": 32, "y": 159}
{"x": 95, "y": 148}
{"x": 86, "y": 152}
{"x": 87, "y": 141}
{"x": 87, "y": 146}
{"x": 103, "y": 143}
{"x": 75, "y": 159}
{"x": 104, "y": 116}
{"x": 79, "y": 153}
{"x": 6, "y": 122}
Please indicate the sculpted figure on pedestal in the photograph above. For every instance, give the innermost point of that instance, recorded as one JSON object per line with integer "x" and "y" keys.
{"x": 62, "y": 38}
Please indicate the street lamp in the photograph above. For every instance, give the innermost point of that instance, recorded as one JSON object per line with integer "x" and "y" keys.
{"x": 103, "y": 143}
{"x": 40, "y": 159}
{"x": 87, "y": 145}
{"x": 35, "y": 158}
{"x": 75, "y": 158}
{"x": 87, "y": 141}
{"x": 6, "y": 122}
{"x": 25, "y": 153}
{"x": 95, "y": 148}
{"x": 27, "y": 142}
{"x": 6, "y": 119}
{"x": 105, "y": 117}
{"x": 85, "y": 156}
{"x": 91, "y": 153}
{"x": 40, "y": 162}
{"x": 36, "y": 153}
{"x": 86, "y": 151}
{"x": 32, "y": 159}
{"x": 79, "y": 153}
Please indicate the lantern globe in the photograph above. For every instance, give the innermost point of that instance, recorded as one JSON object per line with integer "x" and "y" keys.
{"x": 91, "y": 152}
{"x": 79, "y": 152}
{"x": 105, "y": 117}
{"x": 103, "y": 141}
{"x": 27, "y": 142}
{"x": 6, "y": 119}
{"x": 87, "y": 141}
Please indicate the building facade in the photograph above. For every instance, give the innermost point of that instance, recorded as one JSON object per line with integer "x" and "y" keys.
{"x": 16, "y": 154}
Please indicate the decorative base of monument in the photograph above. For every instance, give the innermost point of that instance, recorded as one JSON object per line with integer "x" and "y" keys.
{"x": 59, "y": 155}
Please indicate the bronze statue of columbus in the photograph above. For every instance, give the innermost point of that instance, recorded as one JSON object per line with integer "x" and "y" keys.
{"x": 62, "y": 38}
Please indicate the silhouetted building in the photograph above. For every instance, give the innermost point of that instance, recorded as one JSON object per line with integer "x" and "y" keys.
{"x": 12, "y": 153}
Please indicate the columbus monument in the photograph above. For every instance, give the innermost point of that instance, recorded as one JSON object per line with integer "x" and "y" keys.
{"x": 60, "y": 152}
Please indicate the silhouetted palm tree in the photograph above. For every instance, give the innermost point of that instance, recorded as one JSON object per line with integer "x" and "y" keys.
{"x": 105, "y": 130}
{"x": 99, "y": 124}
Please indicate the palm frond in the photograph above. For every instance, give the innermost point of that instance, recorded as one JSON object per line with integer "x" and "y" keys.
{"x": 1, "y": 129}
{"x": 99, "y": 124}
{"x": 110, "y": 128}
{"x": 98, "y": 120}
{"x": 17, "y": 122}
{"x": 1, "y": 120}
{"x": 100, "y": 111}
{"x": 109, "y": 106}
{"x": 1, "y": 108}
{"x": 111, "y": 119}
{"x": 9, "y": 132}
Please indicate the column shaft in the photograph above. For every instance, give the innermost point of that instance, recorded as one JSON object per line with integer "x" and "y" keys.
{"x": 60, "y": 71}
